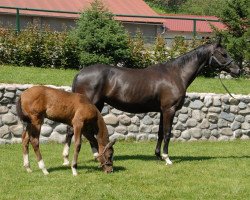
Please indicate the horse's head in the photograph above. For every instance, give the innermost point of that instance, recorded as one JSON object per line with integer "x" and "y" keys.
{"x": 106, "y": 158}
{"x": 221, "y": 59}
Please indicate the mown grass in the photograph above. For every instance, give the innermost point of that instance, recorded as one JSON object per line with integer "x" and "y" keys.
{"x": 35, "y": 75}
{"x": 32, "y": 75}
{"x": 201, "y": 170}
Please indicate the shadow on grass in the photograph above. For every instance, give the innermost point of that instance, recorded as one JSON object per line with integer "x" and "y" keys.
{"x": 177, "y": 159}
{"x": 85, "y": 168}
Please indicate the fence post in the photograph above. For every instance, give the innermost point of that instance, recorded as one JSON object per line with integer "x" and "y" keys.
{"x": 194, "y": 27}
{"x": 17, "y": 20}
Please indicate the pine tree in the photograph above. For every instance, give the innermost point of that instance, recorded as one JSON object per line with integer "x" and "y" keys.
{"x": 100, "y": 38}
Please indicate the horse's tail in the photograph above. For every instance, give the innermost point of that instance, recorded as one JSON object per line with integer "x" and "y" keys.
{"x": 20, "y": 112}
{"x": 74, "y": 83}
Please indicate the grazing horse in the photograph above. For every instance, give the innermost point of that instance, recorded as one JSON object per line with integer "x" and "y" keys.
{"x": 74, "y": 109}
{"x": 159, "y": 88}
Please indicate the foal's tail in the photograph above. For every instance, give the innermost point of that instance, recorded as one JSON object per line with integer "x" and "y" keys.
{"x": 20, "y": 112}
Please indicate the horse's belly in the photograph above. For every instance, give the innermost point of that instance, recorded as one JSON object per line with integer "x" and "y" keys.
{"x": 134, "y": 107}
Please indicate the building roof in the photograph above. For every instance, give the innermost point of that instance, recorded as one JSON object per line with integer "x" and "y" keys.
{"x": 126, "y": 7}
{"x": 187, "y": 25}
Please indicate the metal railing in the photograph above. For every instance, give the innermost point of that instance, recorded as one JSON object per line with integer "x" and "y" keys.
{"x": 18, "y": 9}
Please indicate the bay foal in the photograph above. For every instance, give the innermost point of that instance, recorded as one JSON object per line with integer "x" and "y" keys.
{"x": 39, "y": 102}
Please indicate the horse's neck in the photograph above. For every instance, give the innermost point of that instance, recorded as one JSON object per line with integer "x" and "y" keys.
{"x": 196, "y": 60}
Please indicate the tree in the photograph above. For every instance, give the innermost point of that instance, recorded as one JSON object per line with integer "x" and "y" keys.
{"x": 100, "y": 38}
{"x": 235, "y": 16}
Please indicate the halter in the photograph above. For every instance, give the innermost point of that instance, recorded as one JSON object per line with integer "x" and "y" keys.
{"x": 223, "y": 66}
{"x": 218, "y": 62}
{"x": 102, "y": 154}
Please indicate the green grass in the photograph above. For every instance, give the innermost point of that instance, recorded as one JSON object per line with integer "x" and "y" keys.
{"x": 35, "y": 75}
{"x": 26, "y": 75}
{"x": 201, "y": 170}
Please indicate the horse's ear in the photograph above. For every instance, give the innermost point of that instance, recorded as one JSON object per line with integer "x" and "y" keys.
{"x": 111, "y": 143}
{"x": 218, "y": 40}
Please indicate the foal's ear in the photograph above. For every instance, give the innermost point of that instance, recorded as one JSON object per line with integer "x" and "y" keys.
{"x": 111, "y": 143}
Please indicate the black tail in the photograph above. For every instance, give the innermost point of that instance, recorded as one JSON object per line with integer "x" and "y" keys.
{"x": 74, "y": 83}
{"x": 20, "y": 113}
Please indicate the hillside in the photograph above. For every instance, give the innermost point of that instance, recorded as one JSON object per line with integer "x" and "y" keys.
{"x": 197, "y": 7}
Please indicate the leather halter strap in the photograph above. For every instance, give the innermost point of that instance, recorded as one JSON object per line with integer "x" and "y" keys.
{"x": 218, "y": 62}
{"x": 102, "y": 154}
{"x": 221, "y": 65}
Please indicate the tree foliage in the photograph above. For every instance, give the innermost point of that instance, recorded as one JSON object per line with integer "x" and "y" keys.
{"x": 100, "y": 38}
{"x": 235, "y": 16}
{"x": 198, "y": 7}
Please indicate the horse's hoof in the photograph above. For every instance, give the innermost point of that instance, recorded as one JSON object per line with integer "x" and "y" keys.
{"x": 158, "y": 156}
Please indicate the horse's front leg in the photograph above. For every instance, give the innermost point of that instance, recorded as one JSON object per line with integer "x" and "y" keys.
{"x": 168, "y": 116}
{"x": 67, "y": 144}
{"x": 78, "y": 143}
{"x": 160, "y": 138}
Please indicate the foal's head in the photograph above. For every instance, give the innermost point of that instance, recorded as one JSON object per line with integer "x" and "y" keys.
{"x": 106, "y": 157}
{"x": 221, "y": 59}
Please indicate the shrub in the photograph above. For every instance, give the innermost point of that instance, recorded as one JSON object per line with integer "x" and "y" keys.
{"x": 33, "y": 47}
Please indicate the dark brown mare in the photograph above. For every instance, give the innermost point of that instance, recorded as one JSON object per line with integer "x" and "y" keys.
{"x": 159, "y": 88}
{"x": 74, "y": 109}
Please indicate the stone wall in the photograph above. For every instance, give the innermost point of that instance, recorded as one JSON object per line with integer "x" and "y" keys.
{"x": 203, "y": 117}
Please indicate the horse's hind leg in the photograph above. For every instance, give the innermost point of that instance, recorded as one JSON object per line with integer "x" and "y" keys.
{"x": 160, "y": 139}
{"x": 168, "y": 117}
{"x": 67, "y": 146}
{"x": 25, "y": 145}
{"x": 34, "y": 139}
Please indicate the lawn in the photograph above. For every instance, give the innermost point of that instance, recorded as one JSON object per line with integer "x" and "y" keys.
{"x": 201, "y": 170}
{"x": 25, "y": 75}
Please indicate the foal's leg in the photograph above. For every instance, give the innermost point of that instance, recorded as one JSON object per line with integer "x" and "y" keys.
{"x": 78, "y": 143}
{"x": 34, "y": 139}
{"x": 25, "y": 145}
{"x": 67, "y": 144}
{"x": 160, "y": 138}
{"x": 168, "y": 116}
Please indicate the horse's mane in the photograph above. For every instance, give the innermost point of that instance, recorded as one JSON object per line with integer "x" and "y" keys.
{"x": 185, "y": 58}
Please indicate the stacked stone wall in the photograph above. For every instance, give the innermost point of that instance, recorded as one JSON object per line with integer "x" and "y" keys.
{"x": 203, "y": 117}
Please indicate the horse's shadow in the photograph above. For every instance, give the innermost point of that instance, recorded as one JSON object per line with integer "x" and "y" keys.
{"x": 176, "y": 159}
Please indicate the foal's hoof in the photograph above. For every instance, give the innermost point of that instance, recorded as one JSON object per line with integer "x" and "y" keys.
{"x": 45, "y": 172}
{"x": 28, "y": 170}
{"x": 66, "y": 164}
